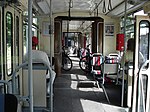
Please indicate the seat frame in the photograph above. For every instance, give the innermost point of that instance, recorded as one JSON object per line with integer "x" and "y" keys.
{"x": 97, "y": 72}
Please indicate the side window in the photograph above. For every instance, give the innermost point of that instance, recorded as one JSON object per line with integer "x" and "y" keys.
{"x": 17, "y": 41}
{"x": 25, "y": 27}
{"x": 9, "y": 43}
{"x": 144, "y": 39}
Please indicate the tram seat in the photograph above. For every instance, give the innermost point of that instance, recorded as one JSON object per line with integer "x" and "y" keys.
{"x": 97, "y": 62}
{"x": 38, "y": 57}
{"x": 41, "y": 67}
{"x": 8, "y": 103}
{"x": 97, "y": 71}
{"x": 111, "y": 68}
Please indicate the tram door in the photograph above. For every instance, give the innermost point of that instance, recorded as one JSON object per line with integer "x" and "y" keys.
{"x": 12, "y": 37}
{"x": 0, "y": 44}
{"x": 141, "y": 92}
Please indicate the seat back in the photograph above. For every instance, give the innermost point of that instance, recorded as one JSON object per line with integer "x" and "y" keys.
{"x": 8, "y": 103}
{"x": 97, "y": 61}
{"x": 114, "y": 55}
{"x": 111, "y": 68}
{"x": 111, "y": 64}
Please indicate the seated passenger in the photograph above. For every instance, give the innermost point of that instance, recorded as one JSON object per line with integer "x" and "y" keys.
{"x": 128, "y": 55}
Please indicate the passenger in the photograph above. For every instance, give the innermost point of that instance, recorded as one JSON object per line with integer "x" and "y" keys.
{"x": 34, "y": 42}
{"x": 128, "y": 55}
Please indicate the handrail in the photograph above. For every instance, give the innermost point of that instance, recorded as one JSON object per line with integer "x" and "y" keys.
{"x": 7, "y": 83}
{"x": 141, "y": 87}
{"x": 14, "y": 75}
{"x": 50, "y": 84}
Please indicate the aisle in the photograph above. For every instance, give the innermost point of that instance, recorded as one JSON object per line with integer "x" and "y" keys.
{"x": 74, "y": 91}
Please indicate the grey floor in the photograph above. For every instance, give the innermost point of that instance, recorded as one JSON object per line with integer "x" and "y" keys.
{"x": 75, "y": 91}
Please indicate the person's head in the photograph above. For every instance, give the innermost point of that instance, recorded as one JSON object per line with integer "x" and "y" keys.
{"x": 34, "y": 42}
{"x": 130, "y": 44}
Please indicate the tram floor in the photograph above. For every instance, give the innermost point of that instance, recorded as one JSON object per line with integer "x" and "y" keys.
{"x": 75, "y": 91}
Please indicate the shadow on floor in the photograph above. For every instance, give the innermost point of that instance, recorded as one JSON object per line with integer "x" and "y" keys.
{"x": 75, "y": 91}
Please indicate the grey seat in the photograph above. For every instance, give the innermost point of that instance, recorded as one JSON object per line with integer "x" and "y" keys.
{"x": 8, "y": 103}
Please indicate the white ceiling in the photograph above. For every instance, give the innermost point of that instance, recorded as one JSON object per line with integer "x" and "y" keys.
{"x": 63, "y": 5}
{"x": 59, "y": 6}
{"x": 90, "y": 5}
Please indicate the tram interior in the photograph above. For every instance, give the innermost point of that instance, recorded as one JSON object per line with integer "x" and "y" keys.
{"x": 97, "y": 25}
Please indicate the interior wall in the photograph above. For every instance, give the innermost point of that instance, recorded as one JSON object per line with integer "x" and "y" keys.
{"x": 109, "y": 41}
{"x": 46, "y": 42}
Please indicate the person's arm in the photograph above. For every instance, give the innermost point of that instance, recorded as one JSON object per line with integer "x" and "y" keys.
{"x": 141, "y": 58}
{"x": 123, "y": 58}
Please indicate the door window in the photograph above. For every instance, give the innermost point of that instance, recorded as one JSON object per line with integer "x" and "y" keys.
{"x": 143, "y": 56}
{"x": 9, "y": 43}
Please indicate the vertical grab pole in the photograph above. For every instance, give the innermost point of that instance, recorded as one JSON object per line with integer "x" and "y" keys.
{"x": 51, "y": 86}
{"x": 125, "y": 17}
{"x": 30, "y": 76}
{"x": 98, "y": 35}
{"x": 50, "y": 30}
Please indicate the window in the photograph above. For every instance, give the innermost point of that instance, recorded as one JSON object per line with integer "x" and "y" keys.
{"x": 9, "y": 43}
{"x": 144, "y": 39}
{"x": 129, "y": 26}
{"x": 17, "y": 41}
{"x": 35, "y": 31}
{"x": 130, "y": 23}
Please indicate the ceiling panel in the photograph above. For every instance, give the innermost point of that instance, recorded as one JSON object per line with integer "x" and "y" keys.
{"x": 117, "y": 8}
{"x": 89, "y": 5}
{"x": 59, "y": 5}
{"x": 63, "y": 5}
